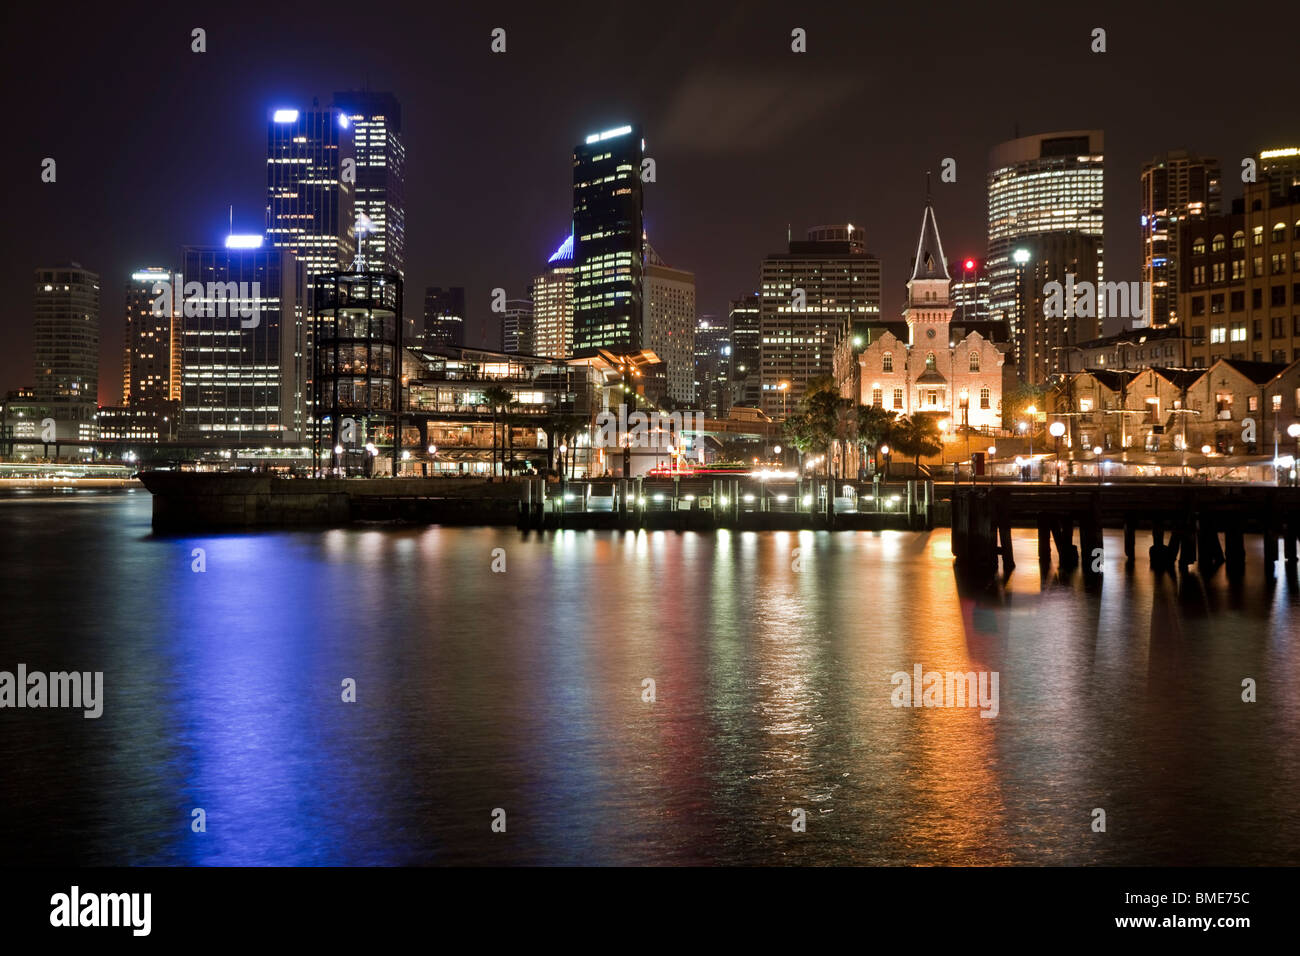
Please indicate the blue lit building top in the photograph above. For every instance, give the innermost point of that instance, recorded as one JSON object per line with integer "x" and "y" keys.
{"x": 564, "y": 253}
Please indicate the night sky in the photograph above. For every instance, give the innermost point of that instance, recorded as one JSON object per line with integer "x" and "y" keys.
{"x": 154, "y": 143}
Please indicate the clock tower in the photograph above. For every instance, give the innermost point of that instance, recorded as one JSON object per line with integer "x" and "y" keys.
{"x": 929, "y": 310}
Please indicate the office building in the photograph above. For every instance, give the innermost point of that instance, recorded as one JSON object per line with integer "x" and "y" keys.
{"x": 552, "y": 295}
{"x": 1045, "y": 330}
{"x": 376, "y": 123}
{"x": 1281, "y": 167}
{"x": 712, "y": 366}
{"x": 66, "y": 340}
{"x": 607, "y": 242}
{"x": 444, "y": 316}
{"x": 668, "y": 326}
{"x": 1240, "y": 288}
{"x": 151, "y": 357}
{"x": 1051, "y": 182}
{"x": 1176, "y": 186}
{"x": 517, "y": 327}
{"x": 744, "y": 316}
{"x": 309, "y": 198}
{"x": 811, "y": 297}
{"x": 245, "y": 367}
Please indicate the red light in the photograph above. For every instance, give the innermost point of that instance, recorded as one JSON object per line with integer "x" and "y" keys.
{"x": 970, "y": 264}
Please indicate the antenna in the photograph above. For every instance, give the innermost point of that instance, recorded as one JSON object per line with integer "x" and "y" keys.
{"x": 927, "y": 187}
{"x": 232, "y": 219}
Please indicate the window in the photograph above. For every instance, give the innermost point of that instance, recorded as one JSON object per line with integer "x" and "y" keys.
{"x": 1238, "y": 301}
{"x": 1218, "y": 333}
{"x": 1198, "y": 275}
{"x": 986, "y": 396}
{"x": 1277, "y": 296}
{"x": 1085, "y": 404}
{"x": 1259, "y": 265}
{"x": 1279, "y": 232}
{"x": 898, "y": 398}
{"x": 1218, "y": 243}
{"x": 1216, "y": 303}
{"x": 1238, "y": 332}
{"x": 1223, "y": 403}
{"x": 1239, "y": 239}
{"x": 932, "y": 398}
{"x": 1252, "y": 403}
{"x": 1198, "y": 247}
{"x": 929, "y": 361}
{"x": 1256, "y": 329}
{"x": 974, "y": 361}
{"x": 1258, "y": 233}
{"x": 1198, "y": 305}
{"x": 887, "y": 363}
{"x": 1279, "y": 326}
{"x": 1277, "y": 263}
{"x": 1216, "y": 272}
{"x": 1257, "y": 298}
{"x": 876, "y": 398}
{"x": 1239, "y": 268}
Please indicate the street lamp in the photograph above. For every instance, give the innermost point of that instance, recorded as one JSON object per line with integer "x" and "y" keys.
{"x": 783, "y": 387}
{"x": 965, "y": 416}
{"x": 884, "y": 450}
{"x": 1205, "y": 450}
{"x": 1056, "y": 430}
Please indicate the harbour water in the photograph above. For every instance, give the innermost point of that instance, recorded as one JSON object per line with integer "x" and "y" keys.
{"x": 523, "y": 689}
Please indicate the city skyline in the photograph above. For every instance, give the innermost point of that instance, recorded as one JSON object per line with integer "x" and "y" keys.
{"x": 502, "y": 238}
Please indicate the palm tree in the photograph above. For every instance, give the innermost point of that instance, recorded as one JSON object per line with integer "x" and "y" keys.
{"x": 874, "y": 424}
{"x": 917, "y": 436}
{"x": 498, "y": 399}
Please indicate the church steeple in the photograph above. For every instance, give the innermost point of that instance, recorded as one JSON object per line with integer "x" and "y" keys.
{"x": 930, "y": 263}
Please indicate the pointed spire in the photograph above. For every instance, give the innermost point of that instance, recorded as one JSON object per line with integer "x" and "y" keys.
{"x": 929, "y": 262}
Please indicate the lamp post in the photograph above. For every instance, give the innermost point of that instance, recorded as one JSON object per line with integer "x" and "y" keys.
{"x": 783, "y": 387}
{"x": 1056, "y": 430}
{"x": 1021, "y": 258}
{"x": 965, "y": 417}
{"x": 1205, "y": 450}
{"x": 1096, "y": 450}
{"x": 1294, "y": 431}
{"x": 884, "y": 450}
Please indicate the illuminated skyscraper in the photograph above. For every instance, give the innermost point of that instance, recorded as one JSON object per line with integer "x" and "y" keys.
{"x": 552, "y": 295}
{"x": 66, "y": 327}
{"x": 310, "y": 188}
{"x": 668, "y": 328}
{"x": 607, "y": 242}
{"x": 746, "y": 339}
{"x": 376, "y": 123}
{"x": 1176, "y": 186}
{"x": 1039, "y": 184}
{"x": 151, "y": 353}
{"x": 244, "y": 365}
{"x": 812, "y": 297}
{"x": 517, "y": 327}
{"x": 1282, "y": 167}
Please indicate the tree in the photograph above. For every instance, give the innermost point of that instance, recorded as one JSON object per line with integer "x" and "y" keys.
{"x": 498, "y": 399}
{"x": 874, "y": 425}
{"x": 917, "y": 436}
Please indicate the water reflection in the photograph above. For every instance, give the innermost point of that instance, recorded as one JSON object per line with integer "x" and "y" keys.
{"x": 771, "y": 656}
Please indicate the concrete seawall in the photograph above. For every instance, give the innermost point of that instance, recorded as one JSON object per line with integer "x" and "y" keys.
{"x": 189, "y": 501}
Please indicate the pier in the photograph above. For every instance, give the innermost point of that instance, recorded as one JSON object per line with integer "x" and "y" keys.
{"x": 1198, "y": 524}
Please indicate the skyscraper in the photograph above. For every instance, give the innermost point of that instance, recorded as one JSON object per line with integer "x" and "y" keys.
{"x": 607, "y": 242}
{"x": 151, "y": 343}
{"x": 1282, "y": 167}
{"x": 444, "y": 316}
{"x": 1043, "y": 339}
{"x": 310, "y": 178}
{"x": 244, "y": 363}
{"x": 812, "y": 296}
{"x": 1051, "y": 182}
{"x": 517, "y": 327}
{"x": 746, "y": 348}
{"x": 376, "y": 123}
{"x": 668, "y": 327}
{"x": 1176, "y": 186}
{"x": 66, "y": 327}
{"x": 712, "y": 366}
{"x": 552, "y": 294}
